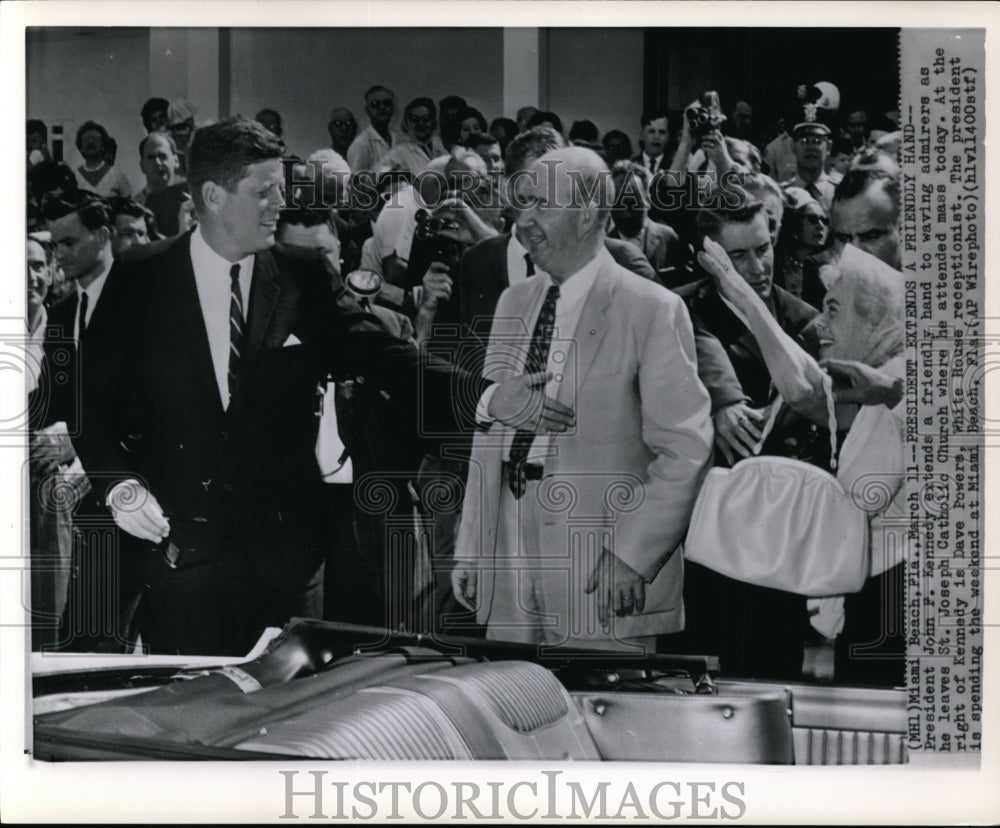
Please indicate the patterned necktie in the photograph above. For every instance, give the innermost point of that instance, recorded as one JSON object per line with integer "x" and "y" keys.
{"x": 529, "y": 266}
{"x": 236, "y": 327}
{"x": 538, "y": 360}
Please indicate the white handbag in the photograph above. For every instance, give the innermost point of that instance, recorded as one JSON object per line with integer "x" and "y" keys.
{"x": 780, "y": 523}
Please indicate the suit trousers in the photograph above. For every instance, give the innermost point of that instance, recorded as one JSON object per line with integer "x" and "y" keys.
{"x": 538, "y": 593}
{"x": 219, "y": 607}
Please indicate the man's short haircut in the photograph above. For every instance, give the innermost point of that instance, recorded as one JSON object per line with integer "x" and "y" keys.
{"x": 165, "y": 136}
{"x": 623, "y": 169}
{"x": 540, "y": 118}
{"x": 36, "y": 127}
{"x": 532, "y": 143}
{"x": 479, "y": 139}
{"x": 222, "y": 152}
{"x": 584, "y": 131}
{"x": 651, "y": 115}
{"x": 268, "y": 111}
{"x": 94, "y": 211}
{"x": 303, "y": 217}
{"x": 378, "y": 88}
{"x": 710, "y": 222}
{"x": 858, "y": 182}
{"x": 88, "y": 126}
{"x": 127, "y": 207}
{"x": 43, "y": 238}
{"x": 508, "y": 125}
{"x": 151, "y": 107}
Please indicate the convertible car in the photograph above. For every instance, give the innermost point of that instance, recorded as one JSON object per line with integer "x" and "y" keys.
{"x": 323, "y": 690}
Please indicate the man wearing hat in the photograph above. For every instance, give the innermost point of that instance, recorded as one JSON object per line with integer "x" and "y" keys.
{"x": 812, "y": 143}
{"x": 180, "y": 125}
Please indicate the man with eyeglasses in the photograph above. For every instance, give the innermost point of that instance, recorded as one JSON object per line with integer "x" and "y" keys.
{"x": 812, "y": 143}
{"x": 376, "y": 139}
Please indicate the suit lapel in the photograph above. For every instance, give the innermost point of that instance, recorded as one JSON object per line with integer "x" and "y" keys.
{"x": 264, "y": 293}
{"x": 590, "y": 330}
{"x": 504, "y": 273}
{"x": 188, "y": 313}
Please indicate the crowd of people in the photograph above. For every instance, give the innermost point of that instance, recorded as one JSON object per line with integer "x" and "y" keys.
{"x": 486, "y": 405}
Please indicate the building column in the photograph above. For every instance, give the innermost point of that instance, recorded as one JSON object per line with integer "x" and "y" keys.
{"x": 184, "y": 63}
{"x": 525, "y": 69}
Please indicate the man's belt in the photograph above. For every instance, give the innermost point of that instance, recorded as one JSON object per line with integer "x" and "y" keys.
{"x": 517, "y": 475}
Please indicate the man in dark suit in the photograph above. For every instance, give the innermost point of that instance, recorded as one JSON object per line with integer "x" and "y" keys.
{"x": 81, "y": 228}
{"x": 199, "y": 402}
{"x": 655, "y": 133}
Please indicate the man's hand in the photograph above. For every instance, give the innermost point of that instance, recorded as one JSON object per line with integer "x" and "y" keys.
{"x": 50, "y": 450}
{"x": 137, "y": 512}
{"x": 520, "y": 402}
{"x": 464, "y": 580}
{"x": 619, "y": 588}
{"x": 737, "y": 430}
{"x": 866, "y": 385}
{"x": 713, "y": 144}
{"x": 437, "y": 286}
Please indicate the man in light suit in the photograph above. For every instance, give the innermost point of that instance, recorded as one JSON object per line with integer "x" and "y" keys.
{"x": 199, "y": 405}
{"x": 571, "y": 539}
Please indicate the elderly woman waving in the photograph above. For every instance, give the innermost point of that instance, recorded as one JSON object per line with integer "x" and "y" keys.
{"x": 861, "y": 335}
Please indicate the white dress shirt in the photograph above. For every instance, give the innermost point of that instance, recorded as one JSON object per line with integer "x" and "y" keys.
{"x": 211, "y": 275}
{"x": 517, "y": 265}
{"x": 573, "y": 293}
{"x": 569, "y": 306}
{"x": 652, "y": 164}
{"x": 93, "y": 291}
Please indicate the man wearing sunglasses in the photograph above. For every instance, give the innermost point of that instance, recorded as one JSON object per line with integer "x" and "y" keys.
{"x": 376, "y": 139}
{"x": 812, "y": 143}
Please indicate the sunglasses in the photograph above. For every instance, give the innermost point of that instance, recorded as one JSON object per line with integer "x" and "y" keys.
{"x": 811, "y": 140}
{"x": 421, "y": 119}
{"x": 381, "y": 103}
{"x": 341, "y": 124}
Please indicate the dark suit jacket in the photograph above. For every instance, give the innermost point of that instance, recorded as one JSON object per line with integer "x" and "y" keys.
{"x": 56, "y": 398}
{"x": 246, "y": 475}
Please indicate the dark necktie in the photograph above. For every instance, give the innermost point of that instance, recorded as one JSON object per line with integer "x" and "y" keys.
{"x": 530, "y": 265}
{"x": 538, "y": 359}
{"x": 813, "y": 190}
{"x": 84, "y": 302}
{"x": 236, "y": 327}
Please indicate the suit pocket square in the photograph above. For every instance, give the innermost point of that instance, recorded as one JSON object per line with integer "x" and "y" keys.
{"x": 292, "y": 340}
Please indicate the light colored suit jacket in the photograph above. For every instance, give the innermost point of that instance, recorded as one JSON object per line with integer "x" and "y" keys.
{"x": 632, "y": 467}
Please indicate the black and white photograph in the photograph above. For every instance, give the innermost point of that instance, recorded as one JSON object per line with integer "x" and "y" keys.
{"x": 556, "y": 412}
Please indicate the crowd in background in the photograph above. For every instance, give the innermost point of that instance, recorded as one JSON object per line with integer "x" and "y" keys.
{"x": 432, "y": 265}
